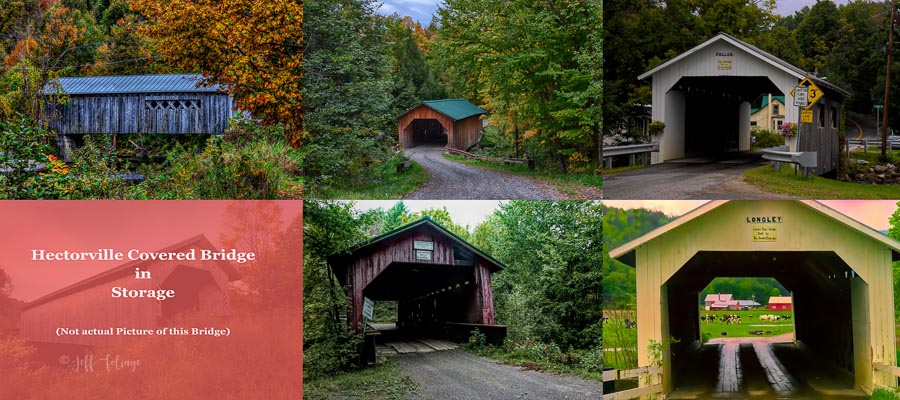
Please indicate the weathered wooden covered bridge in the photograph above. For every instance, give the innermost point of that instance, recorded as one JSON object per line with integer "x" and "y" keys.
{"x": 200, "y": 286}
{"x": 704, "y": 96}
{"x": 454, "y": 122}
{"x": 164, "y": 104}
{"x": 442, "y": 283}
{"x": 839, "y": 271}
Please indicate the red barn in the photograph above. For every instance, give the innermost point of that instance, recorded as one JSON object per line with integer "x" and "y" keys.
{"x": 780, "y": 303}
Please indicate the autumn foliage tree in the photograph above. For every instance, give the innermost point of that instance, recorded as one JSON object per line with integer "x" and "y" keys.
{"x": 253, "y": 48}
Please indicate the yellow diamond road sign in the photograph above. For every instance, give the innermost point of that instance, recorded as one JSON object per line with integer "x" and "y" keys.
{"x": 813, "y": 93}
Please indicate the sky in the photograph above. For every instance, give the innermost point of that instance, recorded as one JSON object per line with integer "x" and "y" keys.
{"x": 77, "y": 226}
{"x": 464, "y": 212}
{"x": 419, "y": 10}
{"x": 422, "y": 10}
{"x": 789, "y": 7}
{"x": 874, "y": 213}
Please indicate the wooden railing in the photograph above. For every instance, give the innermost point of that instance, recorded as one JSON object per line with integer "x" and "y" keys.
{"x": 888, "y": 369}
{"x": 631, "y": 374}
{"x": 499, "y": 160}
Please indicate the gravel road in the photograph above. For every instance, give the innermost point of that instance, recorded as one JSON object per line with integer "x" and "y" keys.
{"x": 454, "y": 181}
{"x": 456, "y": 374}
{"x": 696, "y": 178}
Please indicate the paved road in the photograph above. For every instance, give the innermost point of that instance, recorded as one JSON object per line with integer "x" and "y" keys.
{"x": 454, "y": 181}
{"x": 702, "y": 178}
{"x": 456, "y": 374}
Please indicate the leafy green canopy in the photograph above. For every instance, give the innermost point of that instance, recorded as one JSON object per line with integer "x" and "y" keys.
{"x": 845, "y": 43}
{"x": 535, "y": 65}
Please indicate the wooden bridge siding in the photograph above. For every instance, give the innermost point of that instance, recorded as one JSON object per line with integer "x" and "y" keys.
{"x": 803, "y": 229}
{"x": 824, "y": 140}
{"x": 485, "y": 296}
{"x": 466, "y": 133}
{"x": 91, "y": 308}
{"x": 407, "y": 140}
{"x": 124, "y": 114}
{"x": 362, "y": 271}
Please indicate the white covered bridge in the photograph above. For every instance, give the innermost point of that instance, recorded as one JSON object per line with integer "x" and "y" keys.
{"x": 704, "y": 95}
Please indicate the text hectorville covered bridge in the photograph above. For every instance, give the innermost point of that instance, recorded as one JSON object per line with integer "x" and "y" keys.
{"x": 201, "y": 286}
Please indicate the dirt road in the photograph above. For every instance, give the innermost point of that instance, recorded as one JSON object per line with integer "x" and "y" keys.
{"x": 457, "y": 374}
{"x": 454, "y": 181}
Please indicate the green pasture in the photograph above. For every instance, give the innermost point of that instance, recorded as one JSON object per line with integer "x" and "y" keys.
{"x": 750, "y": 322}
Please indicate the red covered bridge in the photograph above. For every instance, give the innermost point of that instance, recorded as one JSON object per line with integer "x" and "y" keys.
{"x": 441, "y": 283}
{"x": 455, "y": 123}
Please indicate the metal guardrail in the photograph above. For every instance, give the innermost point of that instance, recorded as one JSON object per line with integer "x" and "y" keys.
{"x": 499, "y": 160}
{"x": 631, "y": 374}
{"x": 866, "y": 143}
{"x": 781, "y": 154}
{"x": 631, "y": 150}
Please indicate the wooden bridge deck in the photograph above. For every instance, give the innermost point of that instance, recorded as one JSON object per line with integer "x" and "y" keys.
{"x": 416, "y": 346}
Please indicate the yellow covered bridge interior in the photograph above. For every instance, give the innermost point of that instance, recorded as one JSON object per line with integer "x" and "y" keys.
{"x": 839, "y": 271}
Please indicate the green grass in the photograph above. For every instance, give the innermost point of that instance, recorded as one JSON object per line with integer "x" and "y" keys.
{"x": 815, "y": 187}
{"x": 574, "y": 185}
{"x": 874, "y": 154}
{"x": 543, "y": 357}
{"x": 748, "y": 320}
{"x": 382, "y": 382}
{"x": 611, "y": 171}
{"x": 619, "y": 342}
{"x": 390, "y": 184}
{"x": 884, "y": 394}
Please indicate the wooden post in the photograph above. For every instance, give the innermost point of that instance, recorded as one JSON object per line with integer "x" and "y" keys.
{"x": 887, "y": 82}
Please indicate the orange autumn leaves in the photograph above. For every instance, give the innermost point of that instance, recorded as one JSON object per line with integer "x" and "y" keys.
{"x": 253, "y": 48}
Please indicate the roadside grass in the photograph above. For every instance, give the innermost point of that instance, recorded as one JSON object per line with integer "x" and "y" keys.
{"x": 575, "y": 185}
{"x": 381, "y": 382}
{"x": 874, "y": 155}
{"x": 616, "y": 170}
{"x": 388, "y": 185}
{"x": 815, "y": 187}
{"x": 532, "y": 355}
{"x": 749, "y": 322}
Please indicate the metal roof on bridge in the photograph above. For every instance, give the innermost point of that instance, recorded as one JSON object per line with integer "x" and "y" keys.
{"x": 100, "y": 85}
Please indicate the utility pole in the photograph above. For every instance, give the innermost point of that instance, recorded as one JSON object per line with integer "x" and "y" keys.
{"x": 887, "y": 81}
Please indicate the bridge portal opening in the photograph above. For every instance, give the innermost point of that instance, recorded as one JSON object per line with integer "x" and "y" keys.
{"x": 427, "y": 297}
{"x": 717, "y": 112}
{"x": 742, "y": 357}
{"x": 426, "y": 131}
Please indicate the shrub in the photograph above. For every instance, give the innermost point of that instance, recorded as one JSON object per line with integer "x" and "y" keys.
{"x": 94, "y": 172}
{"x": 764, "y": 138}
{"x": 477, "y": 339}
{"x": 250, "y": 162}
{"x": 24, "y": 147}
